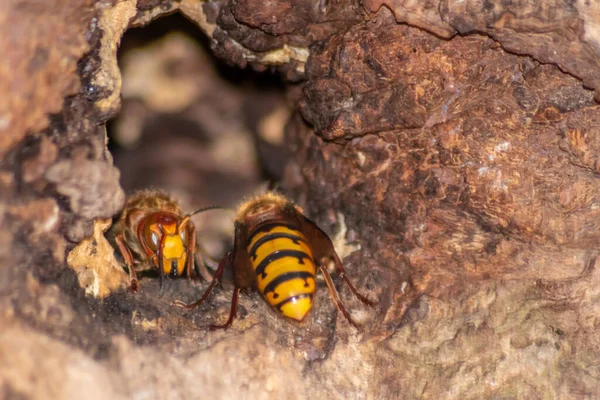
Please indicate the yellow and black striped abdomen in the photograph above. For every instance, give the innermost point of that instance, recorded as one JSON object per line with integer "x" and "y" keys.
{"x": 284, "y": 268}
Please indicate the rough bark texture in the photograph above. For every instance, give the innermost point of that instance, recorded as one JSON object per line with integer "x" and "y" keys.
{"x": 449, "y": 147}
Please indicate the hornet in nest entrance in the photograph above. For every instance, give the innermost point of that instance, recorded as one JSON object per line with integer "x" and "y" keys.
{"x": 278, "y": 250}
{"x": 160, "y": 235}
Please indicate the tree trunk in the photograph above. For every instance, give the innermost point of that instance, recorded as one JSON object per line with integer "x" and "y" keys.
{"x": 449, "y": 148}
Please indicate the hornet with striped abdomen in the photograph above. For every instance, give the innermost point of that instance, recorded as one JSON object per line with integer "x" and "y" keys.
{"x": 278, "y": 250}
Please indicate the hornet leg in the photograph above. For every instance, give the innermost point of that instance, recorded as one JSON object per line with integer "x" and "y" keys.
{"x": 128, "y": 257}
{"x": 215, "y": 281}
{"x": 232, "y": 312}
{"x": 342, "y": 274}
{"x": 335, "y": 296}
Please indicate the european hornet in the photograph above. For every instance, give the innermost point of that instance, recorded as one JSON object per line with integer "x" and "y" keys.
{"x": 275, "y": 250}
{"x": 153, "y": 227}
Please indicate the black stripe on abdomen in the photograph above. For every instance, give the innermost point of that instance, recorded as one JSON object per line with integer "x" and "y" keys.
{"x": 288, "y": 276}
{"x": 292, "y": 298}
{"x": 276, "y": 255}
{"x": 267, "y": 228}
{"x": 273, "y": 236}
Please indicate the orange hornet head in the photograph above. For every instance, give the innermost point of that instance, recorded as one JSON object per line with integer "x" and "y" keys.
{"x": 173, "y": 250}
{"x": 167, "y": 242}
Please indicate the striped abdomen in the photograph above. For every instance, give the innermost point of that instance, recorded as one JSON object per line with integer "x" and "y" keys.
{"x": 284, "y": 268}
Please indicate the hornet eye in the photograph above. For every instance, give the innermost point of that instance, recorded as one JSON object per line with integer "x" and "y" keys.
{"x": 184, "y": 236}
